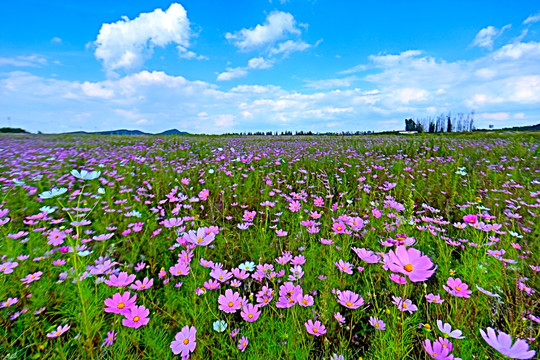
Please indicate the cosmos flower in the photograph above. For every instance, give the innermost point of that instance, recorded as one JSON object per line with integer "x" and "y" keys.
{"x": 110, "y": 339}
{"x": 184, "y": 341}
{"x": 85, "y": 175}
{"x": 220, "y": 325}
{"x": 250, "y": 312}
{"x": 447, "y": 329}
{"x": 123, "y": 279}
{"x": 503, "y": 344}
{"x": 137, "y": 317}
{"x": 350, "y": 299}
{"x": 315, "y": 328}
{"x": 366, "y": 255}
{"x": 120, "y": 304}
{"x": 457, "y": 288}
{"x": 7, "y": 267}
{"x": 410, "y": 262}
{"x": 377, "y": 323}
{"x": 230, "y": 302}
{"x": 59, "y": 331}
{"x": 344, "y": 266}
{"x": 143, "y": 285}
{"x": 243, "y": 343}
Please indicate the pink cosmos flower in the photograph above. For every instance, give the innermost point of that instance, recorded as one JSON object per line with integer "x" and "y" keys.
{"x": 201, "y": 238}
{"x": 376, "y": 323}
{"x": 344, "y": 266}
{"x": 8, "y": 302}
{"x": 185, "y": 341}
{"x": 404, "y": 305}
{"x": 250, "y": 312}
{"x": 340, "y": 318}
{"x": 7, "y": 267}
{"x": 398, "y": 279}
{"x": 120, "y": 304}
{"x": 457, "y": 288}
{"x": 56, "y": 237}
{"x": 366, "y": 255}
{"x": 110, "y": 339}
{"x": 438, "y": 350}
{"x": 434, "y": 298}
{"x": 503, "y": 344}
{"x": 123, "y": 279}
{"x": 470, "y": 219}
{"x": 304, "y": 300}
{"x": 32, "y": 277}
{"x": 315, "y": 328}
{"x": 350, "y": 299}
{"x": 137, "y": 317}
{"x": 339, "y": 227}
{"x": 179, "y": 268}
{"x": 243, "y": 343}
{"x": 230, "y": 302}
{"x": 447, "y": 329}
{"x": 143, "y": 285}
{"x": 288, "y": 295}
{"x": 410, "y": 262}
{"x": 59, "y": 331}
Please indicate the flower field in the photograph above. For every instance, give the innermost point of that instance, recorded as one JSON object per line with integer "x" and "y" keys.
{"x": 375, "y": 247}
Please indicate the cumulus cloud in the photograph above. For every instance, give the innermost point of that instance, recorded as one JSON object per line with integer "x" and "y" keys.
{"x": 531, "y": 19}
{"x": 232, "y": 73}
{"x": 485, "y": 37}
{"x": 331, "y": 83}
{"x": 278, "y": 26}
{"x": 127, "y": 44}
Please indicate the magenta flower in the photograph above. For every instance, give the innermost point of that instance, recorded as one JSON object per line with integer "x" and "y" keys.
{"x": 9, "y": 302}
{"x": 243, "y": 343}
{"x": 470, "y": 219}
{"x": 366, "y": 255}
{"x": 434, "y": 298}
{"x": 56, "y": 237}
{"x": 503, "y": 344}
{"x": 123, "y": 279}
{"x": 340, "y": 318}
{"x": 315, "y": 328}
{"x": 250, "y": 312}
{"x": 376, "y": 323}
{"x": 110, "y": 339}
{"x": 344, "y": 266}
{"x": 7, "y": 267}
{"x": 137, "y": 317}
{"x": 179, "y": 269}
{"x": 143, "y": 285}
{"x": 398, "y": 279}
{"x": 339, "y": 227}
{"x": 350, "y": 300}
{"x": 406, "y": 305}
{"x": 304, "y": 300}
{"x": 230, "y": 302}
{"x": 120, "y": 304}
{"x": 438, "y": 350}
{"x": 184, "y": 342}
{"x": 32, "y": 277}
{"x": 201, "y": 238}
{"x": 59, "y": 331}
{"x": 410, "y": 262}
{"x": 288, "y": 295}
{"x": 457, "y": 288}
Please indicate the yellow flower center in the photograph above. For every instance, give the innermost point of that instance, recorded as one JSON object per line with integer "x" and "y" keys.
{"x": 199, "y": 240}
{"x": 250, "y": 316}
{"x": 58, "y": 333}
{"x": 121, "y": 305}
{"x": 404, "y": 305}
{"x": 458, "y": 288}
{"x": 376, "y": 325}
{"x": 348, "y": 303}
{"x": 408, "y": 267}
{"x": 304, "y": 302}
{"x": 186, "y": 341}
{"x": 142, "y": 286}
{"x": 231, "y": 304}
{"x": 136, "y": 318}
{"x": 315, "y": 330}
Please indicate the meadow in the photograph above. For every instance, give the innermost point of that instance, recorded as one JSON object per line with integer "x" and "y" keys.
{"x": 372, "y": 247}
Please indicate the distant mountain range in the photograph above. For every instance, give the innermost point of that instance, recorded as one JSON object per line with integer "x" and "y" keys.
{"x": 129, "y": 132}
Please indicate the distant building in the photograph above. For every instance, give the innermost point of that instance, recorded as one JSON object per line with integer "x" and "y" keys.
{"x": 491, "y": 126}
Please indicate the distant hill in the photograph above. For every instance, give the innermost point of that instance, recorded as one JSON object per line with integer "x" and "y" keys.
{"x": 129, "y": 132}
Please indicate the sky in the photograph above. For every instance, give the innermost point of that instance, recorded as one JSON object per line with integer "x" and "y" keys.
{"x": 256, "y": 65}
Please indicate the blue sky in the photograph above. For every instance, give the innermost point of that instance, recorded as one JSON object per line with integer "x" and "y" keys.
{"x": 221, "y": 66}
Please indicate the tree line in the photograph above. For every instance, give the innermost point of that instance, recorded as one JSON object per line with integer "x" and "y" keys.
{"x": 442, "y": 123}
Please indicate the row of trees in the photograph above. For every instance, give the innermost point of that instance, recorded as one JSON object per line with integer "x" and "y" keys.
{"x": 442, "y": 123}
{"x": 301, "y": 133}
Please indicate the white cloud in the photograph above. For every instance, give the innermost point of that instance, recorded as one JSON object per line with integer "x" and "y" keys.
{"x": 289, "y": 46}
{"x": 531, "y": 19}
{"x": 278, "y": 25}
{"x": 260, "y": 63}
{"x": 24, "y": 61}
{"x": 499, "y": 116}
{"x": 331, "y": 83}
{"x": 127, "y": 44}
{"x": 56, "y": 40}
{"x": 232, "y": 73}
{"x": 485, "y": 37}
